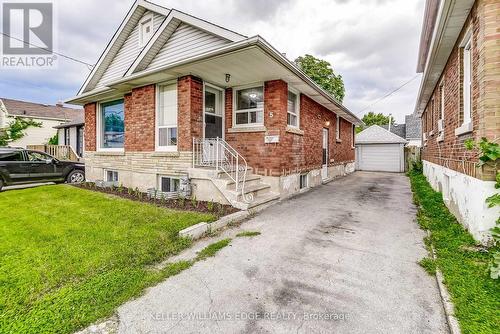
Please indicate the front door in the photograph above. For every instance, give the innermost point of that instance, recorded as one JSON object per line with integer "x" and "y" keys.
{"x": 213, "y": 115}
{"x": 324, "y": 169}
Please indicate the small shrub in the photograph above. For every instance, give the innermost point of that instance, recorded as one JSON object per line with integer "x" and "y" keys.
{"x": 130, "y": 191}
{"x": 416, "y": 166}
{"x": 194, "y": 202}
{"x": 210, "y": 206}
{"x": 182, "y": 201}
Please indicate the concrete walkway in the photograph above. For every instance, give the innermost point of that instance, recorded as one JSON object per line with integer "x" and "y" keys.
{"x": 338, "y": 259}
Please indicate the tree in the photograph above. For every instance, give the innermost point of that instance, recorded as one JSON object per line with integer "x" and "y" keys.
{"x": 375, "y": 119}
{"x": 15, "y": 130}
{"x": 321, "y": 72}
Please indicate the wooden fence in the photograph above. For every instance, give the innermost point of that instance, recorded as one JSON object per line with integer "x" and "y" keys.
{"x": 61, "y": 152}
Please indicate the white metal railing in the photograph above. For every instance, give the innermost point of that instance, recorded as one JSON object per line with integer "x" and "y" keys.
{"x": 217, "y": 153}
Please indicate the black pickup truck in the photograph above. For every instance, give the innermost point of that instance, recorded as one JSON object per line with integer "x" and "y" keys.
{"x": 21, "y": 166}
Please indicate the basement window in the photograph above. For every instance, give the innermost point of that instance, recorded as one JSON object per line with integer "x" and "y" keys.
{"x": 169, "y": 184}
{"x": 112, "y": 176}
{"x": 303, "y": 181}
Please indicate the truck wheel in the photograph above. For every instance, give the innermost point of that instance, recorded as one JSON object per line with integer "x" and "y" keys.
{"x": 76, "y": 176}
{"x": 1, "y": 184}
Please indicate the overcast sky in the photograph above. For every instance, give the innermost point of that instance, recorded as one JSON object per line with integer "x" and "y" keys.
{"x": 373, "y": 44}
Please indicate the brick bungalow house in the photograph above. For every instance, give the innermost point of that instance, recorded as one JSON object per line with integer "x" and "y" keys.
{"x": 459, "y": 99}
{"x": 175, "y": 97}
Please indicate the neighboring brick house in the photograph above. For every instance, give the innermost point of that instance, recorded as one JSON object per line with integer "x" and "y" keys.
{"x": 411, "y": 130}
{"x": 459, "y": 99}
{"x": 168, "y": 84}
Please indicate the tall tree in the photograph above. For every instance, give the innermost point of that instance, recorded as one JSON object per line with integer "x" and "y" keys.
{"x": 322, "y": 73}
{"x": 372, "y": 118}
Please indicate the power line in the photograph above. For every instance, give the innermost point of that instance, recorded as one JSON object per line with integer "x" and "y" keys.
{"x": 387, "y": 95}
{"x": 90, "y": 66}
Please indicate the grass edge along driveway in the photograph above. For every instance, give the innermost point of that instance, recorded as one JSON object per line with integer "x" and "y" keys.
{"x": 475, "y": 295}
{"x": 69, "y": 256}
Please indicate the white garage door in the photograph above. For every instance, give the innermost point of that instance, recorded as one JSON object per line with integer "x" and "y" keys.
{"x": 380, "y": 157}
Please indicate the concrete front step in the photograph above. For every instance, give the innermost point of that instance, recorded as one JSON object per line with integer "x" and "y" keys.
{"x": 256, "y": 190}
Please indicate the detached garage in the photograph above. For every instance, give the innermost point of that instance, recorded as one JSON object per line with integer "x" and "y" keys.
{"x": 379, "y": 150}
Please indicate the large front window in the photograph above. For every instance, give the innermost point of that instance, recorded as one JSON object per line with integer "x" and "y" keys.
{"x": 167, "y": 116}
{"x": 112, "y": 124}
{"x": 249, "y": 108}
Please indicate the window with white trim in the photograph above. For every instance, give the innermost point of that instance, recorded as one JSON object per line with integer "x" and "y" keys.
{"x": 337, "y": 128}
{"x": 111, "y": 176}
{"x": 168, "y": 184}
{"x": 249, "y": 106}
{"x": 293, "y": 109}
{"x": 467, "y": 80}
{"x": 167, "y": 117}
{"x": 145, "y": 30}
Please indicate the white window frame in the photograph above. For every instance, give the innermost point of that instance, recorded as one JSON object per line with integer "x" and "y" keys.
{"x": 467, "y": 81}
{"x": 147, "y": 19}
{"x": 171, "y": 177}
{"x": 235, "y": 104}
{"x": 99, "y": 129}
{"x": 441, "y": 99}
{"x": 297, "y": 107}
{"x": 337, "y": 128}
{"x": 112, "y": 171}
{"x": 168, "y": 148}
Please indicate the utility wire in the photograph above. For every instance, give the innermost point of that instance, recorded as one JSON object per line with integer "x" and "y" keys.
{"x": 90, "y": 66}
{"x": 387, "y": 95}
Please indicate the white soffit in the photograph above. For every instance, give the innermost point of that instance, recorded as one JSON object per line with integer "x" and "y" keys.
{"x": 451, "y": 18}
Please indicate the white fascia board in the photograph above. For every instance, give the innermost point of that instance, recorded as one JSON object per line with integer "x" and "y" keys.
{"x": 191, "y": 20}
{"x": 154, "y": 7}
{"x": 348, "y": 115}
{"x": 110, "y": 45}
{"x": 252, "y": 41}
{"x": 446, "y": 9}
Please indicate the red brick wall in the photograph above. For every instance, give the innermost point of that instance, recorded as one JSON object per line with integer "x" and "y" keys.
{"x": 451, "y": 151}
{"x": 90, "y": 126}
{"x": 294, "y": 153}
{"x": 190, "y": 111}
{"x": 140, "y": 116}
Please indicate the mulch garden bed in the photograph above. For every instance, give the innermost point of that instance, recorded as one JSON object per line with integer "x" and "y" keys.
{"x": 184, "y": 204}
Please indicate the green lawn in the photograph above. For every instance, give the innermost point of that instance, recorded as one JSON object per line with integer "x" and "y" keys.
{"x": 69, "y": 256}
{"x": 464, "y": 265}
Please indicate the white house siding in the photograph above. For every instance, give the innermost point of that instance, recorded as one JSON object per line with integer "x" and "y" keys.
{"x": 72, "y": 137}
{"x": 37, "y": 136}
{"x": 127, "y": 53}
{"x": 186, "y": 41}
{"x": 465, "y": 197}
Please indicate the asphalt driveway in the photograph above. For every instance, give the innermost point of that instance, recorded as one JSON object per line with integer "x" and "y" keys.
{"x": 341, "y": 258}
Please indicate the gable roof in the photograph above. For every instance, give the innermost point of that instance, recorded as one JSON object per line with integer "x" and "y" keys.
{"x": 378, "y": 135}
{"x": 169, "y": 27}
{"x": 397, "y": 129}
{"x": 128, "y": 24}
{"x": 38, "y": 110}
{"x": 135, "y": 56}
